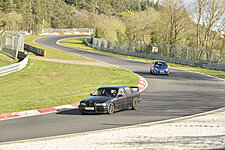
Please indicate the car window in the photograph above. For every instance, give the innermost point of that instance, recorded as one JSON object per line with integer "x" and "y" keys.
{"x": 160, "y": 64}
{"x": 109, "y": 92}
{"x": 128, "y": 90}
{"x": 121, "y": 92}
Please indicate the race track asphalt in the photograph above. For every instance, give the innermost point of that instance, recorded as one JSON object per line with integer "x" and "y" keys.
{"x": 180, "y": 94}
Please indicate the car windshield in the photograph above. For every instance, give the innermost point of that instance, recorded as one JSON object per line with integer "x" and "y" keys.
{"x": 109, "y": 92}
{"x": 160, "y": 64}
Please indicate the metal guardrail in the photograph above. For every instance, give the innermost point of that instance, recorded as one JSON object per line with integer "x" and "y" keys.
{"x": 35, "y": 50}
{"x": 14, "y": 67}
{"x": 12, "y": 43}
{"x": 102, "y": 45}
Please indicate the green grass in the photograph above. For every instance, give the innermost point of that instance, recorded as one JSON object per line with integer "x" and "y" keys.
{"x": 4, "y": 61}
{"x": 77, "y": 42}
{"x": 45, "y": 84}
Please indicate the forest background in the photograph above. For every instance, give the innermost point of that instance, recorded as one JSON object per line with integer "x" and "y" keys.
{"x": 202, "y": 24}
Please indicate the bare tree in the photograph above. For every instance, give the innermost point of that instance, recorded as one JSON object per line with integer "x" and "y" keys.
{"x": 200, "y": 10}
{"x": 213, "y": 16}
{"x": 175, "y": 19}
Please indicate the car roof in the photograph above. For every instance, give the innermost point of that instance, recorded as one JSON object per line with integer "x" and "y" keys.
{"x": 114, "y": 86}
{"x": 159, "y": 61}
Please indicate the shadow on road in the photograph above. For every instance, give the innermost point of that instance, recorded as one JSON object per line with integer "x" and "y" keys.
{"x": 177, "y": 75}
{"x": 74, "y": 112}
{"x": 69, "y": 112}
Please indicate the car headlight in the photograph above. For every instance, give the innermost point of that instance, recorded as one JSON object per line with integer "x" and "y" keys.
{"x": 156, "y": 68}
{"x": 83, "y": 104}
{"x": 100, "y": 104}
{"x": 167, "y": 69}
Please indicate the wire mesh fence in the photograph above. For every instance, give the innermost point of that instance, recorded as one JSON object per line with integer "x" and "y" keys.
{"x": 172, "y": 51}
{"x": 12, "y": 42}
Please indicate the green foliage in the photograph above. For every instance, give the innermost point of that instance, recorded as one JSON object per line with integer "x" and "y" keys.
{"x": 142, "y": 21}
{"x": 126, "y": 14}
{"x": 111, "y": 7}
{"x": 121, "y": 36}
{"x": 108, "y": 27}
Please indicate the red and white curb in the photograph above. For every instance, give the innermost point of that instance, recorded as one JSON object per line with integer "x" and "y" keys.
{"x": 37, "y": 111}
{"x": 142, "y": 84}
{"x": 66, "y": 33}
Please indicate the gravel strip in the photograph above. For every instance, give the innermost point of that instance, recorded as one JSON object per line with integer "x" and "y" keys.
{"x": 203, "y": 132}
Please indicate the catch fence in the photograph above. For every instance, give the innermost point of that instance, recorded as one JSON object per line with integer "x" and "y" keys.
{"x": 192, "y": 56}
{"x": 12, "y": 43}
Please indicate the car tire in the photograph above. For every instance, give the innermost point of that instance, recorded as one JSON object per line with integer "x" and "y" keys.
{"x": 135, "y": 104}
{"x": 111, "y": 108}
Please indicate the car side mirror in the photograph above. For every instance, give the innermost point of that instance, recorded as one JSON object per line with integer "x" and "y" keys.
{"x": 120, "y": 95}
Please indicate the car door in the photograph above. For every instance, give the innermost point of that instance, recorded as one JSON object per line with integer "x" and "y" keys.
{"x": 129, "y": 99}
{"x": 122, "y": 98}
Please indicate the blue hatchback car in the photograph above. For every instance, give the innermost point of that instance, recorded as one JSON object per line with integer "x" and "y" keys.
{"x": 159, "y": 67}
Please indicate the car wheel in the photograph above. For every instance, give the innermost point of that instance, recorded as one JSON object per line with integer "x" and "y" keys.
{"x": 135, "y": 104}
{"x": 111, "y": 108}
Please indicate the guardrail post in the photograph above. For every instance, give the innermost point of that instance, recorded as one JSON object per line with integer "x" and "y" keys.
{"x": 2, "y": 41}
{"x": 13, "y": 42}
{"x": 161, "y": 49}
{"x": 17, "y": 48}
{"x": 180, "y": 52}
{"x": 167, "y": 54}
{"x": 219, "y": 57}
{"x": 187, "y": 53}
{"x": 194, "y": 54}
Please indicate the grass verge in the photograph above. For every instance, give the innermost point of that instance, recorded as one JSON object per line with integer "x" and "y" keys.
{"x": 4, "y": 60}
{"x": 77, "y": 42}
{"x": 44, "y": 84}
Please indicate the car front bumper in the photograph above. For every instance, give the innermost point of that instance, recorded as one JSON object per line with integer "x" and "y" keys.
{"x": 96, "y": 109}
{"x": 160, "y": 72}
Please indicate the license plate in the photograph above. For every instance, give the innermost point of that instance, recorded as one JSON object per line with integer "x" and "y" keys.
{"x": 89, "y": 108}
{"x": 162, "y": 71}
